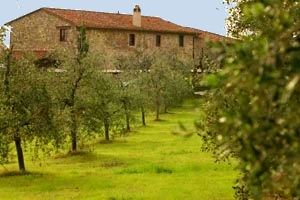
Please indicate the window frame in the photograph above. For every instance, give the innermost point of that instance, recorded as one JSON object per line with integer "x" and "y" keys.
{"x": 158, "y": 40}
{"x": 63, "y": 34}
{"x": 131, "y": 40}
{"x": 181, "y": 40}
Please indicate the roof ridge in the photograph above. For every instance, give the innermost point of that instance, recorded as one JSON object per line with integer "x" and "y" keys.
{"x": 56, "y": 11}
{"x": 92, "y": 11}
{"x": 114, "y": 20}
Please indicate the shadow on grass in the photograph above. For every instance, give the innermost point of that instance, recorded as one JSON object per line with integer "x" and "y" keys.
{"x": 7, "y": 173}
{"x": 105, "y": 141}
{"x": 83, "y": 153}
{"x": 160, "y": 120}
{"x": 88, "y": 157}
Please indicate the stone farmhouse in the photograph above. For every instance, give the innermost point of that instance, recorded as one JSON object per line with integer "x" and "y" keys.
{"x": 47, "y": 29}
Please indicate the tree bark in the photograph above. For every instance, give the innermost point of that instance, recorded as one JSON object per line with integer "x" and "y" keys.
{"x": 106, "y": 128}
{"x": 157, "y": 108}
{"x": 127, "y": 115}
{"x": 127, "y": 122}
{"x": 166, "y": 109}
{"x": 157, "y": 113}
{"x": 73, "y": 110}
{"x": 73, "y": 130}
{"x": 20, "y": 156}
{"x": 143, "y": 116}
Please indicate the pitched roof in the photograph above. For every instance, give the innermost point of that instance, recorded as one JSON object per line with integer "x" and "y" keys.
{"x": 117, "y": 21}
{"x": 213, "y": 36}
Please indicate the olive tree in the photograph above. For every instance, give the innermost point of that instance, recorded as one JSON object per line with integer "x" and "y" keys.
{"x": 74, "y": 68}
{"x": 168, "y": 82}
{"x": 104, "y": 103}
{"x": 26, "y": 113}
{"x": 252, "y": 112}
{"x": 134, "y": 77}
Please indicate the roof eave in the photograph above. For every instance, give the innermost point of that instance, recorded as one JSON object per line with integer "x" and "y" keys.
{"x": 9, "y": 23}
{"x": 142, "y": 30}
{"x": 44, "y": 9}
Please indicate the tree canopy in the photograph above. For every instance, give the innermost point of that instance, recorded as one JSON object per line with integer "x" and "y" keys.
{"x": 252, "y": 112}
{"x": 3, "y": 30}
{"x": 25, "y": 109}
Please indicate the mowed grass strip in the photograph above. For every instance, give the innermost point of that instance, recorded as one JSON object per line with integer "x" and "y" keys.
{"x": 149, "y": 163}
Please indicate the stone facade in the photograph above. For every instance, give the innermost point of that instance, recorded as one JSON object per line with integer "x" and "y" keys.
{"x": 45, "y": 30}
{"x": 118, "y": 41}
{"x": 39, "y": 32}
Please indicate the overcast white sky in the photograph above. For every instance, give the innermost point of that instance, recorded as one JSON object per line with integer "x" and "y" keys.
{"x": 206, "y": 15}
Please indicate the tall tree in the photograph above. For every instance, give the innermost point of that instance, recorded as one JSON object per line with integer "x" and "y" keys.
{"x": 127, "y": 96}
{"x": 253, "y": 111}
{"x": 135, "y": 70}
{"x": 168, "y": 82}
{"x": 103, "y": 104}
{"x": 25, "y": 108}
{"x": 143, "y": 93}
{"x": 76, "y": 70}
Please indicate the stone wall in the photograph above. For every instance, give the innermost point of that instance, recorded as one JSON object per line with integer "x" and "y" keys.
{"x": 40, "y": 32}
{"x": 117, "y": 41}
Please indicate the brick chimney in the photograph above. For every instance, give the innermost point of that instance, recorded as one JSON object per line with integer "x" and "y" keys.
{"x": 137, "y": 17}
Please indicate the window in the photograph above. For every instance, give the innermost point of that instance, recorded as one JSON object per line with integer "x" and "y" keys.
{"x": 63, "y": 32}
{"x": 158, "y": 37}
{"x": 181, "y": 40}
{"x": 63, "y": 35}
{"x": 131, "y": 40}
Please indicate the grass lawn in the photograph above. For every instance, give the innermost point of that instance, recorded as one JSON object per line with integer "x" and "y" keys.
{"x": 149, "y": 163}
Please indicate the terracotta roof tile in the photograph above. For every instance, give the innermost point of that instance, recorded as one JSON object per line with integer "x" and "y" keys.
{"x": 92, "y": 19}
{"x": 117, "y": 21}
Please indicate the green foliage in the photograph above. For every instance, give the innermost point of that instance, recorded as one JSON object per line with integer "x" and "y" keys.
{"x": 3, "y": 30}
{"x": 158, "y": 80}
{"x": 149, "y": 163}
{"x": 82, "y": 43}
{"x": 103, "y": 104}
{"x": 168, "y": 80}
{"x": 253, "y": 113}
{"x": 26, "y": 113}
{"x": 4, "y": 149}
{"x": 205, "y": 65}
{"x": 76, "y": 68}
{"x": 252, "y": 17}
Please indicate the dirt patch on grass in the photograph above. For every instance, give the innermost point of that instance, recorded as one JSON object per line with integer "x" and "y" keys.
{"x": 82, "y": 154}
{"x": 111, "y": 164}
